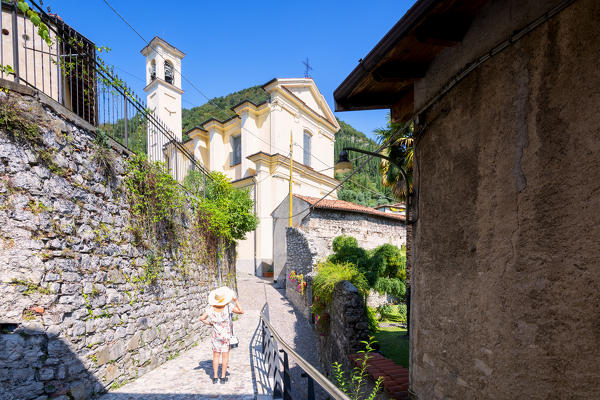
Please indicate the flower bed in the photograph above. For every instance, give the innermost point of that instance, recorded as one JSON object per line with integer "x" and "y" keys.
{"x": 298, "y": 279}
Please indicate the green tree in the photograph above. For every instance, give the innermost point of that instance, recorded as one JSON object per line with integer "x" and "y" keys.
{"x": 226, "y": 211}
{"x": 401, "y": 150}
{"x": 383, "y": 267}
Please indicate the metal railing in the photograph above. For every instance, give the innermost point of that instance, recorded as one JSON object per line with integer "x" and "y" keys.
{"x": 278, "y": 368}
{"x": 71, "y": 72}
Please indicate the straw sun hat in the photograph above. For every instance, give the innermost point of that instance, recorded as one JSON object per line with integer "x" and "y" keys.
{"x": 221, "y": 296}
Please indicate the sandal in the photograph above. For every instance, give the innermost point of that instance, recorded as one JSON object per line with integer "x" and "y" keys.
{"x": 215, "y": 380}
{"x": 224, "y": 380}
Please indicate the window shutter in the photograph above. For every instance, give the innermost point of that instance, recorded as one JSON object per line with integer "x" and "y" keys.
{"x": 307, "y": 148}
{"x": 236, "y": 150}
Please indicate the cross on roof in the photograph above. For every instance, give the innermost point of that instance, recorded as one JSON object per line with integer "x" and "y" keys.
{"x": 307, "y": 69}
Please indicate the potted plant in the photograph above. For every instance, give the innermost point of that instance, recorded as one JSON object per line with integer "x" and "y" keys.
{"x": 268, "y": 271}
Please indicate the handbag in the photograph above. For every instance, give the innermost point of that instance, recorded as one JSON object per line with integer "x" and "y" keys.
{"x": 233, "y": 340}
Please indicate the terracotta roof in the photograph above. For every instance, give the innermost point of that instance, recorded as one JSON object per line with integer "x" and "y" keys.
{"x": 342, "y": 205}
{"x": 391, "y": 205}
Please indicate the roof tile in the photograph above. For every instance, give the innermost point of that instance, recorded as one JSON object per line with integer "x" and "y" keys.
{"x": 342, "y": 205}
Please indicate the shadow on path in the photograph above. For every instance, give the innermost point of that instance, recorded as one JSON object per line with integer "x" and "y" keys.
{"x": 260, "y": 376}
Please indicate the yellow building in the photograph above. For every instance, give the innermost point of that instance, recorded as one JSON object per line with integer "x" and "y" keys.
{"x": 252, "y": 148}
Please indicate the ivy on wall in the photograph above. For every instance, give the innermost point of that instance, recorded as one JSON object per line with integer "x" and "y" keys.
{"x": 214, "y": 213}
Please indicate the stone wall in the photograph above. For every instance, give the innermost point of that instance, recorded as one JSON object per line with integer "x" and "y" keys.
{"x": 506, "y": 277}
{"x": 302, "y": 254}
{"x": 348, "y": 327}
{"x": 374, "y": 299}
{"x": 370, "y": 231}
{"x": 312, "y": 241}
{"x": 75, "y": 315}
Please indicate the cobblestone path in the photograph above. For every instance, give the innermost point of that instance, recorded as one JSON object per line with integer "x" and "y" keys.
{"x": 189, "y": 376}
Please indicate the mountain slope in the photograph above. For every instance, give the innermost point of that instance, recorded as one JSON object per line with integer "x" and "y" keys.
{"x": 365, "y": 187}
{"x": 220, "y": 107}
{"x": 359, "y": 190}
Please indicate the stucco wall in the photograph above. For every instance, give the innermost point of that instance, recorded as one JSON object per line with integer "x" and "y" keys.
{"x": 506, "y": 278}
{"x": 75, "y": 316}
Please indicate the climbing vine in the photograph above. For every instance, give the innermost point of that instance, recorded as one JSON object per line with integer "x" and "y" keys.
{"x": 153, "y": 194}
{"x": 214, "y": 213}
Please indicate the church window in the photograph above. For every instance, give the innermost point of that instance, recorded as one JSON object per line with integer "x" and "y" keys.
{"x": 236, "y": 150}
{"x": 153, "y": 70}
{"x": 306, "y": 148}
{"x": 169, "y": 75}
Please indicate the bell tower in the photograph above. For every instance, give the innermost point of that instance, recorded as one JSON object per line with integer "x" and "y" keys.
{"x": 163, "y": 91}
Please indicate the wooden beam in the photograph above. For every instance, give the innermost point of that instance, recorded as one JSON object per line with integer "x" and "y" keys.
{"x": 394, "y": 71}
{"x": 443, "y": 30}
{"x": 402, "y": 110}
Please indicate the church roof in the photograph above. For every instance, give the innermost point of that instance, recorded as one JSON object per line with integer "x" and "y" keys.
{"x": 290, "y": 87}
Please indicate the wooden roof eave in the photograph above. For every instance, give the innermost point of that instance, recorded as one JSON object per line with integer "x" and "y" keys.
{"x": 386, "y": 77}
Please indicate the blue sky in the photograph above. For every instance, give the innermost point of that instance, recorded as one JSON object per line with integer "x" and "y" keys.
{"x": 231, "y": 45}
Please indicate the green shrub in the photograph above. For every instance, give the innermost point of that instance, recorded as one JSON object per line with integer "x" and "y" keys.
{"x": 386, "y": 261}
{"x": 329, "y": 274}
{"x": 385, "y": 309}
{"x": 153, "y": 193}
{"x": 394, "y": 313}
{"x": 342, "y": 242}
{"x": 347, "y": 251}
{"x": 402, "y": 311}
{"x": 194, "y": 182}
{"x": 391, "y": 286}
{"x": 371, "y": 314}
{"x": 393, "y": 257}
{"x": 226, "y": 211}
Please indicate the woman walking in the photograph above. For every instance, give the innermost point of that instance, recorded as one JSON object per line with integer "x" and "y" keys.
{"x": 218, "y": 315}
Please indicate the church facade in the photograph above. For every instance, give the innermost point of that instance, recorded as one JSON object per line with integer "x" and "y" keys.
{"x": 254, "y": 147}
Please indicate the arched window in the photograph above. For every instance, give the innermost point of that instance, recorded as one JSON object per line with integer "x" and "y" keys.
{"x": 169, "y": 75}
{"x": 153, "y": 70}
{"x": 306, "y": 148}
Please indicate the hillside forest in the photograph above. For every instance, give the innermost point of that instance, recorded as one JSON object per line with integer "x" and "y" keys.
{"x": 365, "y": 187}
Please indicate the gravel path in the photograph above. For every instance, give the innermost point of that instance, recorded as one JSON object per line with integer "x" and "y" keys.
{"x": 188, "y": 377}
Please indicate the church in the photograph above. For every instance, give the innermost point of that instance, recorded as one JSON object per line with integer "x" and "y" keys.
{"x": 253, "y": 148}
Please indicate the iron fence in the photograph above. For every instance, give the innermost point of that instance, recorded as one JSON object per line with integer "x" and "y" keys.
{"x": 71, "y": 72}
{"x": 276, "y": 353}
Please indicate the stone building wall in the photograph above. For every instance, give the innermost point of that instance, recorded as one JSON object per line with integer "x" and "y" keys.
{"x": 506, "y": 277}
{"x": 312, "y": 241}
{"x": 74, "y": 316}
{"x": 370, "y": 231}
{"x": 303, "y": 255}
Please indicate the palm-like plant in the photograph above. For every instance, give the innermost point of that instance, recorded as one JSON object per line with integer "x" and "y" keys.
{"x": 400, "y": 150}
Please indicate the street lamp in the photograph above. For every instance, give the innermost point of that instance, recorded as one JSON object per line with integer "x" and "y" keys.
{"x": 344, "y": 165}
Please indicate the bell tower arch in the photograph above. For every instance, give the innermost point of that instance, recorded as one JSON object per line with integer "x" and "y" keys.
{"x": 163, "y": 92}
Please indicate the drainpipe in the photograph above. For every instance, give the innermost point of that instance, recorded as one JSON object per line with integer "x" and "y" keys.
{"x": 255, "y": 189}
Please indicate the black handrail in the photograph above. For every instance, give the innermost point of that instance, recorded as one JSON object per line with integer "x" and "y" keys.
{"x": 278, "y": 366}
{"x": 81, "y": 82}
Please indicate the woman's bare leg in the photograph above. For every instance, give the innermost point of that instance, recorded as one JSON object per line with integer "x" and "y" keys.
{"x": 225, "y": 356}
{"x": 216, "y": 364}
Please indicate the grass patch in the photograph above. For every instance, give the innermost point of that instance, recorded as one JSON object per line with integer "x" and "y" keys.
{"x": 30, "y": 287}
{"x": 393, "y": 344}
